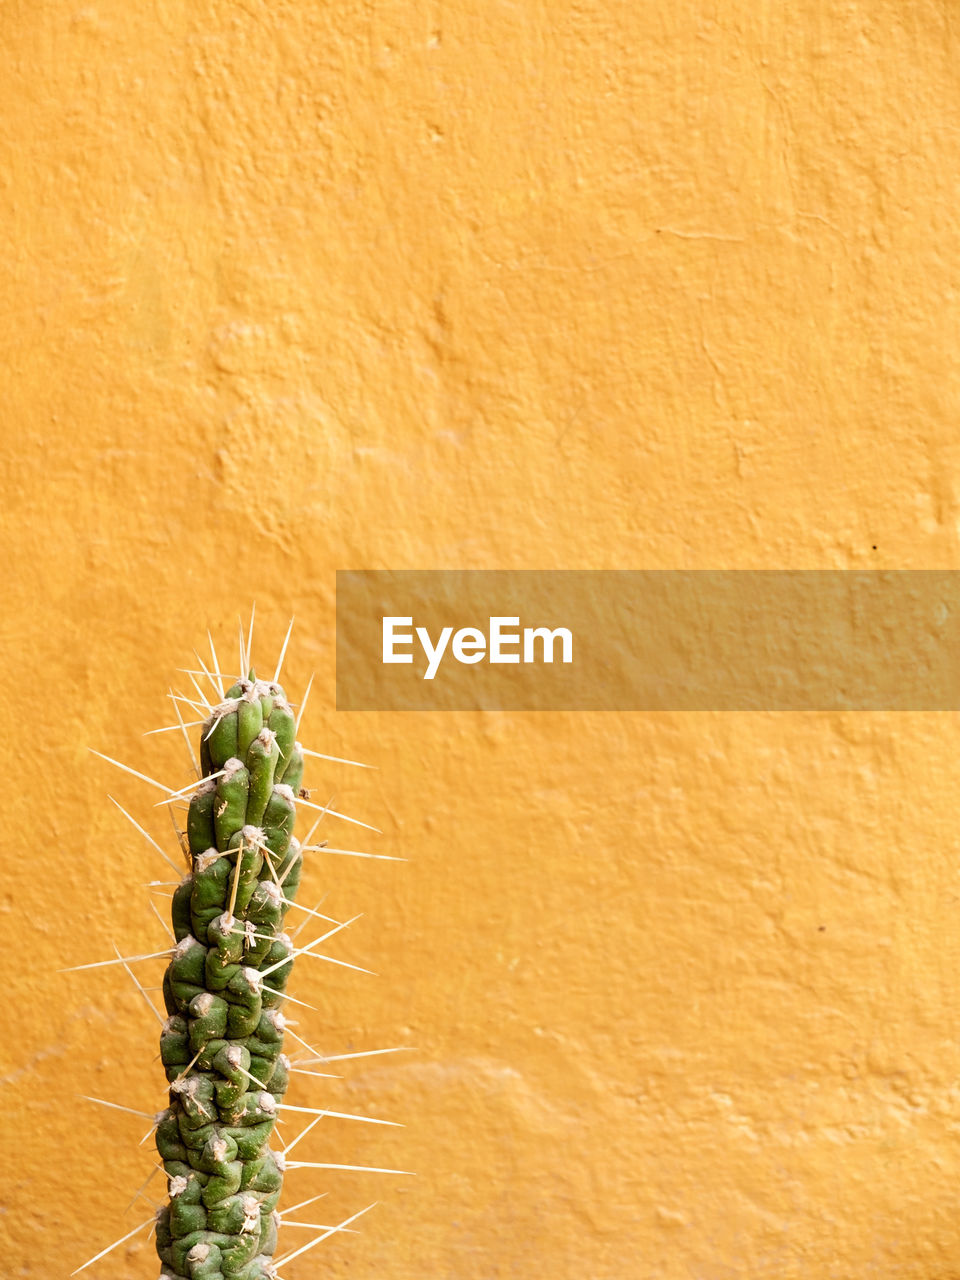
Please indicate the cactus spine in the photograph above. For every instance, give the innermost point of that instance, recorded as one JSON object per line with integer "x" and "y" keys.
{"x": 222, "y": 1043}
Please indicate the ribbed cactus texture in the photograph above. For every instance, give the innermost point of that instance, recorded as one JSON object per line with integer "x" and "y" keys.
{"x": 222, "y": 1043}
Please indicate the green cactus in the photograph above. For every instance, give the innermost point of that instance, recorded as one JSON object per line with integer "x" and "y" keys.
{"x": 222, "y": 1043}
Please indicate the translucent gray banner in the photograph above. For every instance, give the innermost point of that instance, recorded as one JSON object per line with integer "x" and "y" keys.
{"x": 648, "y": 640}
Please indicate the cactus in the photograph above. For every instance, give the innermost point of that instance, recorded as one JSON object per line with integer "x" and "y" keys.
{"x": 222, "y": 1042}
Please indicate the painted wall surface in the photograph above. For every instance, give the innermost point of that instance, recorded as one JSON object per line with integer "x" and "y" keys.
{"x": 297, "y": 286}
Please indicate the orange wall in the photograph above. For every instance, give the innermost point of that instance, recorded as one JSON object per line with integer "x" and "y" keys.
{"x": 297, "y": 286}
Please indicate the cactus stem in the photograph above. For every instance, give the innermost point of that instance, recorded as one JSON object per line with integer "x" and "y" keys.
{"x": 110, "y": 1247}
{"x": 252, "y": 933}
{"x": 146, "y": 835}
{"x": 244, "y": 1072}
{"x": 229, "y": 917}
{"x": 341, "y": 1226}
{"x": 273, "y": 871}
{"x": 283, "y": 652}
{"x": 235, "y": 881}
{"x": 303, "y": 704}
{"x": 325, "y": 809}
{"x": 214, "y": 726}
{"x": 278, "y": 880}
{"x": 205, "y": 860}
{"x": 336, "y": 759}
{"x": 340, "y": 1115}
{"x": 186, "y": 1071}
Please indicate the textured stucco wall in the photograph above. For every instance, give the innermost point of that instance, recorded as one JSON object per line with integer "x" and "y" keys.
{"x": 290, "y": 287}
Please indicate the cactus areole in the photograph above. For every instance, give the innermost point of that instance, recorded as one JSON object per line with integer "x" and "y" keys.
{"x": 222, "y": 1042}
